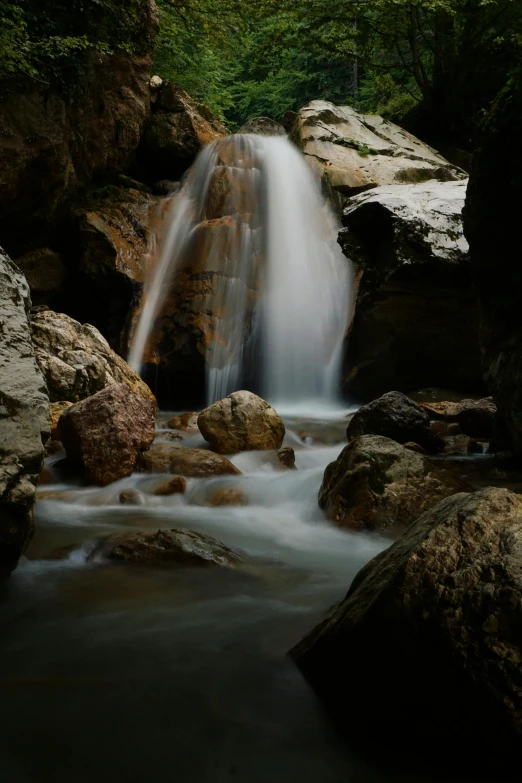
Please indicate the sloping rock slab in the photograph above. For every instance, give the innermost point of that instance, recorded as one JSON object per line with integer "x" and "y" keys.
{"x": 427, "y": 642}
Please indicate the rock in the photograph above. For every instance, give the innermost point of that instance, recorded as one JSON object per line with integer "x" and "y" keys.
{"x": 43, "y": 270}
{"x": 132, "y": 497}
{"x": 227, "y": 496}
{"x": 46, "y": 477}
{"x": 286, "y": 458}
{"x": 174, "y": 486}
{"x": 166, "y": 548}
{"x": 107, "y": 432}
{"x": 353, "y": 152}
{"x": 412, "y": 446}
{"x": 241, "y": 422}
{"x": 155, "y": 83}
{"x": 397, "y": 417}
{"x": 475, "y": 417}
{"x": 288, "y": 121}
{"x": 376, "y": 484}
{"x": 446, "y": 600}
{"x": 263, "y": 126}
{"x": 52, "y": 144}
{"x": 24, "y": 417}
{"x": 173, "y": 458}
{"x": 76, "y": 360}
{"x": 55, "y": 411}
{"x": 178, "y": 130}
{"x": 461, "y": 445}
{"x": 53, "y": 447}
{"x": 165, "y": 187}
{"x": 185, "y": 422}
{"x": 416, "y": 315}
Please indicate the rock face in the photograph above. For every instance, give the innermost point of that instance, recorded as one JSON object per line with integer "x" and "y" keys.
{"x": 24, "y": 417}
{"x": 397, "y": 417}
{"x": 376, "y": 484}
{"x": 241, "y": 422}
{"x": 166, "y": 548}
{"x": 76, "y": 360}
{"x": 178, "y": 129}
{"x": 416, "y": 315}
{"x": 107, "y": 432}
{"x": 354, "y": 152}
{"x": 491, "y": 222}
{"x": 446, "y": 600}
{"x": 173, "y": 458}
{"x": 51, "y": 145}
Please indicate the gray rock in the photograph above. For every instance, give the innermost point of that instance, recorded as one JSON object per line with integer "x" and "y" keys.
{"x": 427, "y": 642}
{"x": 24, "y": 417}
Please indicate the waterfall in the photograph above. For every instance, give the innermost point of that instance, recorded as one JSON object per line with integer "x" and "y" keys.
{"x": 271, "y": 290}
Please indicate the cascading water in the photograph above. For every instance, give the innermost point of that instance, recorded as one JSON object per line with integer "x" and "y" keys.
{"x": 273, "y": 290}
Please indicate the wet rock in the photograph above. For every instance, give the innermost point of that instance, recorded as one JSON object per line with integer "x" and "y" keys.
{"x": 76, "y": 361}
{"x": 286, "y": 458}
{"x": 376, "y": 484}
{"x": 227, "y": 496}
{"x": 263, "y": 126}
{"x": 397, "y": 417}
{"x": 241, "y": 422}
{"x": 174, "y": 486}
{"x": 166, "y": 548}
{"x": 107, "y": 432}
{"x": 55, "y": 411}
{"x": 416, "y": 315}
{"x": 178, "y": 130}
{"x": 173, "y": 458}
{"x": 24, "y": 417}
{"x": 131, "y": 497}
{"x": 448, "y": 598}
{"x": 185, "y": 422}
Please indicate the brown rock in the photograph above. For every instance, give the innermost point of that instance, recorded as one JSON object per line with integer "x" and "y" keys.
{"x": 475, "y": 417}
{"x": 56, "y": 410}
{"x": 107, "y": 432}
{"x": 173, "y": 458}
{"x": 131, "y": 497}
{"x": 376, "y": 484}
{"x": 286, "y": 458}
{"x": 241, "y": 422}
{"x": 185, "y": 422}
{"x": 174, "y": 486}
{"x": 227, "y": 496}
{"x": 414, "y": 447}
{"x": 447, "y": 596}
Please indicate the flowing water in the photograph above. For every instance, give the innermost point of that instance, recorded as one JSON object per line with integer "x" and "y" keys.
{"x": 281, "y": 288}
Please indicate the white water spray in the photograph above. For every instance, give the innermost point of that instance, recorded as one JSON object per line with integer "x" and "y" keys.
{"x": 280, "y": 292}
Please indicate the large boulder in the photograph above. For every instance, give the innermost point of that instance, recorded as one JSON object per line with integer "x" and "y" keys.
{"x": 354, "y": 152}
{"x": 376, "y": 484}
{"x": 491, "y": 222}
{"x": 76, "y": 360}
{"x": 24, "y": 417}
{"x": 241, "y": 422}
{"x": 195, "y": 463}
{"x": 107, "y": 432}
{"x": 178, "y": 130}
{"x": 52, "y": 144}
{"x": 397, "y": 417}
{"x": 416, "y": 314}
{"x": 427, "y": 642}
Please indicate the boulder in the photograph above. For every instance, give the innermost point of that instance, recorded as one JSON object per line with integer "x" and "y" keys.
{"x": 376, "y": 484}
{"x": 107, "y": 432}
{"x": 427, "y": 642}
{"x": 263, "y": 126}
{"x": 173, "y": 458}
{"x": 173, "y": 486}
{"x": 132, "y": 497}
{"x": 416, "y": 314}
{"x": 24, "y": 417}
{"x": 397, "y": 417}
{"x": 491, "y": 223}
{"x": 241, "y": 422}
{"x": 76, "y": 361}
{"x": 354, "y": 152}
{"x": 178, "y": 130}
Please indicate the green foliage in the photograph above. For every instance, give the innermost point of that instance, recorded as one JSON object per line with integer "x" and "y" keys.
{"x": 362, "y": 148}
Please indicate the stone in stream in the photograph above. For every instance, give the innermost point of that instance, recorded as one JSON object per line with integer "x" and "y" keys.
{"x": 427, "y": 643}
{"x": 395, "y": 416}
{"x": 227, "y": 496}
{"x": 377, "y": 484}
{"x": 173, "y": 458}
{"x": 185, "y": 421}
{"x": 286, "y": 458}
{"x": 107, "y": 432}
{"x": 24, "y": 417}
{"x": 173, "y": 486}
{"x": 131, "y": 497}
{"x": 241, "y": 422}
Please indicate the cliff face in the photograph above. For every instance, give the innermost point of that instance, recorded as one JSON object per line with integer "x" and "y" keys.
{"x": 51, "y": 144}
{"x": 491, "y": 224}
